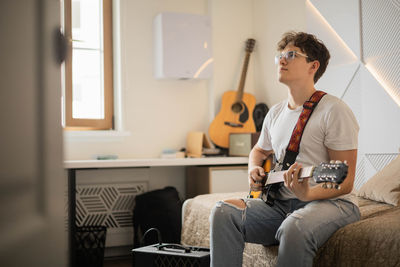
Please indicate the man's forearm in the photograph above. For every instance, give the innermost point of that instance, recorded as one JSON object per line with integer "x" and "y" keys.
{"x": 318, "y": 192}
{"x": 257, "y": 157}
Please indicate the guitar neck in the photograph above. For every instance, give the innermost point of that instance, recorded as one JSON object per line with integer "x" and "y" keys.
{"x": 277, "y": 177}
{"x": 240, "y": 89}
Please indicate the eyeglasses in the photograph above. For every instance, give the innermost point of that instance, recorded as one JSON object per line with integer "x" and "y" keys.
{"x": 289, "y": 56}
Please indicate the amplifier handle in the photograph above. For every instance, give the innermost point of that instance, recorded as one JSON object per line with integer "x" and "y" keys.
{"x": 174, "y": 246}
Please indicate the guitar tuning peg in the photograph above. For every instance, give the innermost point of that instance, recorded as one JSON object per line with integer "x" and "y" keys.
{"x": 329, "y": 185}
{"x": 324, "y": 185}
{"x": 337, "y": 187}
{"x": 332, "y": 161}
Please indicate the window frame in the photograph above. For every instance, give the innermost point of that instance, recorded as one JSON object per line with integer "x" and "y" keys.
{"x": 107, "y": 123}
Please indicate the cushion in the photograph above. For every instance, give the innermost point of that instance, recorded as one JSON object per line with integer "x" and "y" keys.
{"x": 384, "y": 186}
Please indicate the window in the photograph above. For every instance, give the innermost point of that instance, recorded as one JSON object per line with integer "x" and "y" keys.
{"x": 89, "y": 68}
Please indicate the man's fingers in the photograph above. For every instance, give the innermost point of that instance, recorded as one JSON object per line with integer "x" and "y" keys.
{"x": 296, "y": 173}
{"x": 290, "y": 177}
{"x": 285, "y": 178}
{"x": 254, "y": 184}
{"x": 257, "y": 176}
{"x": 289, "y": 172}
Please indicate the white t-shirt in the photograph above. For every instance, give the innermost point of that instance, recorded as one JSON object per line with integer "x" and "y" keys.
{"x": 332, "y": 125}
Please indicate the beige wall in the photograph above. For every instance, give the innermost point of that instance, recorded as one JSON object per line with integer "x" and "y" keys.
{"x": 271, "y": 19}
{"x": 157, "y": 114}
{"x": 232, "y": 25}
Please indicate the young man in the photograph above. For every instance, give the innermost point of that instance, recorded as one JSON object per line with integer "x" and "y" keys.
{"x": 304, "y": 214}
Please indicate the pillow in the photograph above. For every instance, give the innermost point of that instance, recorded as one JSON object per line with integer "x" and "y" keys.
{"x": 384, "y": 186}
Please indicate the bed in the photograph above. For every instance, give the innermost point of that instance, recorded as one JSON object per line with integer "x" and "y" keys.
{"x": 372, "y": 241}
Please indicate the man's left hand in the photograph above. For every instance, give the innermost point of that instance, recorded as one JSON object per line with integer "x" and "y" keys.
{"x": 291, "y": 181}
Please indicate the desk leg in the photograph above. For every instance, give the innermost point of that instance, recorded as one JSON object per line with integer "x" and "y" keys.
{"x": 72, "y": 216}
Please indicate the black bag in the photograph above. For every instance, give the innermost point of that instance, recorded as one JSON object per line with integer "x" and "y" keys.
{"x": 161, "y": 209}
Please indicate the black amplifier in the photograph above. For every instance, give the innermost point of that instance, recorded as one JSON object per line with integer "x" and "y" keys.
{"x": 171, "y": 255}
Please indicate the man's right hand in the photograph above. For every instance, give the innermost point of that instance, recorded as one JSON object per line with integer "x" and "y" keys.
{"x": 256, "y": 178}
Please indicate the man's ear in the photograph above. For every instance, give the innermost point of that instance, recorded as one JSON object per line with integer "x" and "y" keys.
{"x": 315, "y": 65}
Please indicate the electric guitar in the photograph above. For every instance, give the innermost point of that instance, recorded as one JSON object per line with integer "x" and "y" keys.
{"x": 236, "y": 111}
{"x": 331, "y": 174}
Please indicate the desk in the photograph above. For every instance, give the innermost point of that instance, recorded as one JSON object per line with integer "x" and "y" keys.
{"x": 73, "y": 165}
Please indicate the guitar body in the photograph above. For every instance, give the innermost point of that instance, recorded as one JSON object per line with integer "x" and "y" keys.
{"x": 229, "y": 120}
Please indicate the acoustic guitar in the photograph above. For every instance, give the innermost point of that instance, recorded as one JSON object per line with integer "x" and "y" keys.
{"x": 236, "y": 111}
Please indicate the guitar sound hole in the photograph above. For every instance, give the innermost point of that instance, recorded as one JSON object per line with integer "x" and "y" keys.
{"x": 237, "y": 107}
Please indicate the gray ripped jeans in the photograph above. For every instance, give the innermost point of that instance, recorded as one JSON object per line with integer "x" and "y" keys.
{"x": 299, "y": 228}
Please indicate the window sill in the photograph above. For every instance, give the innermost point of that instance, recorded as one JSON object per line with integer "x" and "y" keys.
{"x": 95, "y": 136}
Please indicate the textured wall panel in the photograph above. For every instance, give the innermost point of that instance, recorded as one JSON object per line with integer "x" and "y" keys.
{"x": 380, "y": 40}
{"x": 343, "y": 16}
{"x": 352, "y": 94}
{"x": 369, "y": 165}
{"x": 330, "y": 83}
{"x": 381, "y": 117}
{"x": 340, "y": 52}
{"x": 343, "y": 62}
{"x": 379, "y": 161}
{"x": 373, "y": 91}
{"x": 396, "y": 4}
{"x": 360, "y": 178}
{"x": 353, "y": 97}
{"x": 110, "y": 204}
{"x": 106, "y": 197}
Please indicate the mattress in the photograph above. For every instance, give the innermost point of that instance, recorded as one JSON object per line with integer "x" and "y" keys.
{"x": 372, "y": 241}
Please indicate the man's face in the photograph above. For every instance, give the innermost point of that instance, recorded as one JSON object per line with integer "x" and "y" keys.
{"x": 293, "y": 66}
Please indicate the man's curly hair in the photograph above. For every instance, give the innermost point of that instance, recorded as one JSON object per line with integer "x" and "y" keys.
{"x": 311, "y": 46}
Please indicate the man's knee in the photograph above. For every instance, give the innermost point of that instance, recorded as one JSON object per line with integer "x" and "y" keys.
{"x": 239, "y": 203}
{"x": 222, "y": 211}
{"x": 293, "y": 228}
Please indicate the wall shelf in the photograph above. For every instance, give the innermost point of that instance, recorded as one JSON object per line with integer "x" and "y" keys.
{"x": 154, "y": 162}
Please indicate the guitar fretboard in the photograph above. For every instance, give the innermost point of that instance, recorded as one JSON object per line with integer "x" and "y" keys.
{"x": 277, "y": 177}
{"x": 240, "y": 89}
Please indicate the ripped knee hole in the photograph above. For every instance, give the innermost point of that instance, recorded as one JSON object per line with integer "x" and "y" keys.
{"x": 238, "y": 203}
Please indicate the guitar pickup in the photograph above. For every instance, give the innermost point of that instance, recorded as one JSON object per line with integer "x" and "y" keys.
{"x": 233, "y": 124}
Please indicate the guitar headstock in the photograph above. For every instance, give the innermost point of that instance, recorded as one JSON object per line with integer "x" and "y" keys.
{"x": 332, "y": 173}
{"x": 250, "y": 45}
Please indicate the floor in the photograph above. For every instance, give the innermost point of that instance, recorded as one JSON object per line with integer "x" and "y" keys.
{"x": 118, "y": 262}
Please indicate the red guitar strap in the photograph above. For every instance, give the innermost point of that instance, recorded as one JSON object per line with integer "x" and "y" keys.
{"x": 293, "y": 147}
